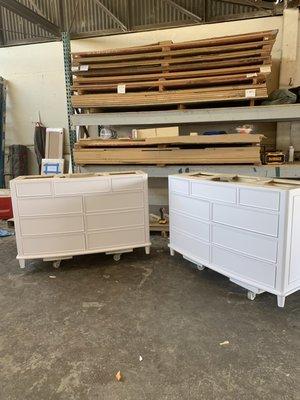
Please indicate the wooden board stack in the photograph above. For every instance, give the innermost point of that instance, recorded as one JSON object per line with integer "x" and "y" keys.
{"x": 218, "y": 149}
{"x": 167, "y": 73}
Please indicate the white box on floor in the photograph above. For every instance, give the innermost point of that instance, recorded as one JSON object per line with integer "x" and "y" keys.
{"x": 246, "y": 228}
{"x": 57, "y": 217}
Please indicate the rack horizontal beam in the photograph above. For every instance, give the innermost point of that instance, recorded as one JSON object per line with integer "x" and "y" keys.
{"x": 279, "y": 113}
{"x": 269, "y": 171}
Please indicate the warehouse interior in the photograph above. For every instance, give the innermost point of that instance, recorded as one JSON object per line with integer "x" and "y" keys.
{"x": 149, "y": 199}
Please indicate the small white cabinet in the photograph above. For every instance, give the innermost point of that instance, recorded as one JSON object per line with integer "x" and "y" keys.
{"x": 57, "y": 217}
{"x": 243, "y": 227}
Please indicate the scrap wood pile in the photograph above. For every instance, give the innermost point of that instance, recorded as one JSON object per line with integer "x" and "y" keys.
{"x": 202, "y": 149}
{"x": 167, "y": 73}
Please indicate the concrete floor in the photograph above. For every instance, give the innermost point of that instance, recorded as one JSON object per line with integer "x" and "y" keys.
{"x": 66, "y": 337}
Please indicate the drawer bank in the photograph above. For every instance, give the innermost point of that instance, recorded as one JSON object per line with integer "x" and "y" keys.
{"x": 57, "y": 217}
{"x": 242, "y": 227}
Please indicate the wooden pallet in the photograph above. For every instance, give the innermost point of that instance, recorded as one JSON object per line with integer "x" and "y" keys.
{"x": 219, "y": 69}
{"x": 219, "y": 149}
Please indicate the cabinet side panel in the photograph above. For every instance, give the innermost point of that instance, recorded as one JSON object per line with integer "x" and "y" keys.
{"x": 294, "y": 270}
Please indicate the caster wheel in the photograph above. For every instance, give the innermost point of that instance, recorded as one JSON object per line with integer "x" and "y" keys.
{"x": 251, "y": 295}
{"x": 117, "y": 257}
{"x": 200, "y": 267}
{"x": 56, "y": 264}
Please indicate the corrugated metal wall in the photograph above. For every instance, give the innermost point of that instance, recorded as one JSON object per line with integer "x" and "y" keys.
{"x": 91, "y": 17}
{"x": 217, "y": 8}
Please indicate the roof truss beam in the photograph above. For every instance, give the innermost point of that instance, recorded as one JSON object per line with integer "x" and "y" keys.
{"x": 111, "y": 15}
{"x": 28, "y": 14}
{"x": 259, "y": 5}
{"x": 36, "y": 8}
{"x": 183, "y": 10}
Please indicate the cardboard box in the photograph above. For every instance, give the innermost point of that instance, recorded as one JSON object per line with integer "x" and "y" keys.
{"x": 146, "y": 133}
{"x": 168, "y": 131}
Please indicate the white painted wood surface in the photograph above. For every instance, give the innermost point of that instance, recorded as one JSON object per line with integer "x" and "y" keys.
{"x": 65, "y": 215}
{"x": 246, "y": 228}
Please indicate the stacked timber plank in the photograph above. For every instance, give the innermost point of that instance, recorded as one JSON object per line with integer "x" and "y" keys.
{"x": 167, "y": 73}
{"x": 219, "y": 149}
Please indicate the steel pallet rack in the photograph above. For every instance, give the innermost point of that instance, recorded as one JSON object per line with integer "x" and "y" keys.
{"x": 65, "y": 36}
{"x": 2, "y": 130}
{"x": 277, "y": 113}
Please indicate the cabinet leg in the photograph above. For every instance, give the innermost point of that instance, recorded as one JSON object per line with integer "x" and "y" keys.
{"x": 22, "y": 263}
{"x": 280, "y": 301}
{"x": 147, "y": 249}
{"x": 172, "y": 252}
{"x": 251, "y": 295}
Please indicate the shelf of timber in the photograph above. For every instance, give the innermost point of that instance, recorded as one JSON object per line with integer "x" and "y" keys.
{"x": 201, "y": 149}
{"x": 167, "y": 74}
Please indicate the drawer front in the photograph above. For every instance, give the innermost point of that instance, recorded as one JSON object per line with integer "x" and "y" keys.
{"x": 46, "y": 206}
{"x": 219, "y": 191}
{"x": 252, "y": 220}
{"x": 266, "y": 199}
{"x": 179, "y": 186}
{"x": 196, "y": 207}
{"x": 115, "y": 220}
{"x": 53, "y": 245}
{"x": 115, "y": 239}
{"x": 244, "y": 267}
{"x": 189, "y": 246}
{"x": 51, "y": 225}
{"x": 254, "y": 244}
{"x": 34, "y": 189}
{"x": 135, "y": 183}
{"x": 189, "y": 225}
{"x": 113, "y": 201}
{"x": 79, "y": 186}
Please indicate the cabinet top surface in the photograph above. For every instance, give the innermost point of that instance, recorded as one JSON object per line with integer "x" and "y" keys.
{"x": 72, "y": 177}
{"x": 206, "y": 177}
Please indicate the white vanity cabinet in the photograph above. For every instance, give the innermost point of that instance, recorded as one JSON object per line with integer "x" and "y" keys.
{"x": 57, "y": 217}
{"x": 242, "y": 227}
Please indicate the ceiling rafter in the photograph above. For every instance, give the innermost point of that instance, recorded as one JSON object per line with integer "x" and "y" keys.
{"x": 61, "y": 15}
{"x": 68, "y": 11}
{"x": 111, "y": 15}
{"x": 28, "y": 14}
{"x": 259, "y": 4}
{"x": 37, "y": 9}
{"x": 191, "y": 15}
